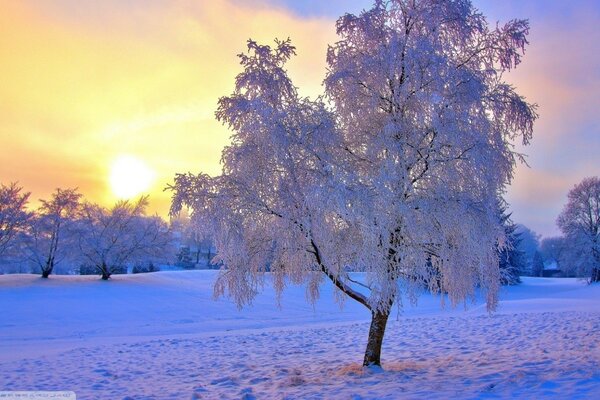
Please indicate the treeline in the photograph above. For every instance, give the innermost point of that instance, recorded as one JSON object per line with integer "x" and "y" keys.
{"x": 70, "y": 234}
{"x": 556, "y": 256}
{"x": 76, "y": 236}
{"x": 576, "y": 253}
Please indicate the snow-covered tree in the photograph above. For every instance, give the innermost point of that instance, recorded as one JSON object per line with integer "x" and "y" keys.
{"x": 580, "y": 223}
{"x": 112, "y": 238}
{"x": 529, "y": 243}
{"x": 51, "y": 233}
{"x": 13, "y": 215}
{"x": 512, "y": 261}
{"x": 537, "y": 266}
{"x": 397, "y": 176}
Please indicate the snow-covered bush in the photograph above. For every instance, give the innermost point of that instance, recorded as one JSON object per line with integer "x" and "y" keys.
{"x": 142, "y": 268}
{"x": 512, "y": 260}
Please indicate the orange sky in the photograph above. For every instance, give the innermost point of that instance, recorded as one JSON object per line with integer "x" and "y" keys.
{"x": 80, "y": 88}
{"x": 86, "y": 82}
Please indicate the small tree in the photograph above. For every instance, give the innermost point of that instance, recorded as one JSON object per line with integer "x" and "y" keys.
{"x": 51, "y": 233}
{"x": 13, "y": 215}
{"x": 112, "y": 238}
{"x": 537, "y": 268}
{"x": 512, "y": 261}
{"x": 529, "y": 243}
{"x": 193, "y": 239}
{"x": 399, "y": 177}
{"x": 580, "y": 223}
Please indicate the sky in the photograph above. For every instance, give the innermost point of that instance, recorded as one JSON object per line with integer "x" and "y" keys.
{"x": 92, "y": 90}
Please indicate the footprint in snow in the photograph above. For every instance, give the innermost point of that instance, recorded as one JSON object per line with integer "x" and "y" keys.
{"x": 227, "y": 381}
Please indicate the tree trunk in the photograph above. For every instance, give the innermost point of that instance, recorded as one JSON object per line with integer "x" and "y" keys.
{"x": 595, "y": 275}
{"x": 105, "y": 269}
{"x": 48, "y": 269}
{"x": 373, "y": 351}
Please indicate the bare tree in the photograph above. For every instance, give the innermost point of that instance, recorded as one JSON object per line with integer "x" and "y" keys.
{"x": 13, "y": 215}
{"x": 51, "y": 233}
{"x": 112, "y": 238}
{"x": 580, "y": 223}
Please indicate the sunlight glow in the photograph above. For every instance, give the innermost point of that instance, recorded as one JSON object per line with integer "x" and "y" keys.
{"x": 130, "y": 177}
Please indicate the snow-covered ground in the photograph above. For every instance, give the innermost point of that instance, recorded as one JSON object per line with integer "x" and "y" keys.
{"x": 162, "y": 336}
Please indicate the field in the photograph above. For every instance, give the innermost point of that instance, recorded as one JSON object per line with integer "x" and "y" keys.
{"x": 162, "y": 336}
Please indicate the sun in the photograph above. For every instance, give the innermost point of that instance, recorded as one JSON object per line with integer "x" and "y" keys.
{"x": 130, "y": 177}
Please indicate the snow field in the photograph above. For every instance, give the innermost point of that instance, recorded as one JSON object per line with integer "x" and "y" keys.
{"x": 542, "y": 343}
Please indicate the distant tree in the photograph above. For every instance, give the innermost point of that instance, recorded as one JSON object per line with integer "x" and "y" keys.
{"x": 184, "y": 258}
{"x": 580, "y": 223}
{"x": 193, "y": 240}
{"x": 87, "y": 269}
{"x": 142, "y": 268}
{"x": 399, "y": 177}
{"x": 529, "y": 243}
{"x": 112, "y": 238}
{"x": 512, "y": 261}
{"x": 554, "y": 249}
{"x": 51, "y": 232}
{"x": 13, "y": 215}
{"x": 537, "y": 268}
